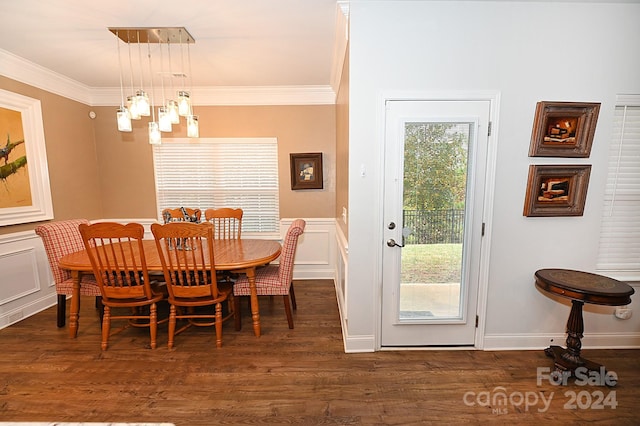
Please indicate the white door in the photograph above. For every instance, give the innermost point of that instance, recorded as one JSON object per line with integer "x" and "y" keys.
{"x": 435, "y": 164}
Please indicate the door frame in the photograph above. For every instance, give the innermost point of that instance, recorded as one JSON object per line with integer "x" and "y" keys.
{"x": 494, "y": 100}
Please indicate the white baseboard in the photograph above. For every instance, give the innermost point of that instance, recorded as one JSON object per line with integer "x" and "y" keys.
{"x": 28, "y": 309}
{"x": 505, "y": 342}
{"x": 358, "y": 344}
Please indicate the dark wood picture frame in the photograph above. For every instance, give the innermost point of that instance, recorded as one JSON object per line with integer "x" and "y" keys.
{"x": 306, "y": 171}
{"x": 556, "y": 190}
{"x": 563, "y": 129}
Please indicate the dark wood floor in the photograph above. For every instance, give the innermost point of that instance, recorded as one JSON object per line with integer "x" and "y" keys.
{"x": 299, "y": 376}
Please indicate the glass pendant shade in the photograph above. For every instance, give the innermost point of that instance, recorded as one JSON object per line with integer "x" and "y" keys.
{"x": 124, "y": 120}
{"x": 184, "y": 103}
{"x": 142, "y": 99}
{"x": 142, "y": 102}
{"x": 193, "y": 130}
{"x": 172, "y": 108}
{"x": 132, "y": 105}
{"x": 154, "y": 134}
{"x": 164, "y": 120}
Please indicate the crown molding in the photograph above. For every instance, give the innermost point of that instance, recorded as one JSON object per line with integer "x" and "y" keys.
{"x": 27, "y": 72}
{"x": 19, "y": 69}
{"x": 235, "y": 96}
{"x": 341, "y": 39}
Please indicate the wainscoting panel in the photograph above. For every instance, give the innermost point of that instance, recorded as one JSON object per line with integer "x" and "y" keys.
{"x": 27, "y": 285}
{"x": 315, "y": 255}
{"x": 19, "y": 274}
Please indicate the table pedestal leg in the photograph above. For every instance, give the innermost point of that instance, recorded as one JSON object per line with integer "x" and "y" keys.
{"x": 569, "y": 359}
{"x": 74, "y": 315}
{"x": 255, "y": 310}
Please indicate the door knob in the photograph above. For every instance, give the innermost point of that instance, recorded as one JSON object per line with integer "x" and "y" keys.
{"x": 392, "y": 243}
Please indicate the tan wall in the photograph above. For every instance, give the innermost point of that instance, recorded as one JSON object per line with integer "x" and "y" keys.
{"x": 71, "y": 155}
{"x": 126, "y": 164}
{"x": 97, "y": 172}
{"x": 342, "y": 146}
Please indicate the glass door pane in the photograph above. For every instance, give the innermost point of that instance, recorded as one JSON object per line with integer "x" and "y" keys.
{"x": 434, "y": 201}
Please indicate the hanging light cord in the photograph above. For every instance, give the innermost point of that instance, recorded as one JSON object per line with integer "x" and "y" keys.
{"x": 162, "y": 72}
{"x": 153, "y": 113}
{"x": 182, "y": 60}
{"x": 170, "y": 68}
{"x": 190, "y": 79}
{"x": 130, "y": 63}
{"x": 120, "y": 68}
{"x": 140, "y": 60}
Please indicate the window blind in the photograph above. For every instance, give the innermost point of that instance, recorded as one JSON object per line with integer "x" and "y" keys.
{"x": 619, "y": 248}
{"x": 214, "y": 173}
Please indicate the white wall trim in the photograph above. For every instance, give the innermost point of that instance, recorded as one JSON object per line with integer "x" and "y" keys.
{"x": 493, "y": 97}
{"x": 357, "y": 344}
{"x": 506, "y": 342}
{"x": 341, "y": 39}
{"x": 27, "y": 72}
{"x": 18, "y": 313}
{"x": 27, "y": 285}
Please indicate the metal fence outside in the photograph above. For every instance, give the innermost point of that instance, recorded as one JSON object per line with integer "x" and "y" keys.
{"x": 434, "y": 226}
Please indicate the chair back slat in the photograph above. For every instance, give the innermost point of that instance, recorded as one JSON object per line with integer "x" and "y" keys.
{"x": 186, "y": 254}
{"x": 227, "y": 222}
{"x": 117, "y": 256}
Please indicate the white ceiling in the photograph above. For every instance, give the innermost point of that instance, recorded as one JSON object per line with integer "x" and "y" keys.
{"x": 248, "y": 43}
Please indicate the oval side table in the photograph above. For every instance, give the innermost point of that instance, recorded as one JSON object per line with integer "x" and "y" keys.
{"x": 580, "y": 288}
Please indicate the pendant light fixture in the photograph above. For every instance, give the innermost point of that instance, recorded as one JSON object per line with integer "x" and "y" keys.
{"x": 172, "y": 106}
{"x": 184, "y": 97}
{"x": 139, "y": 102}
{"x": 132, "y": 102}
{"x": 142, "y": 99}
{"x": 122, "y": 115}
{"x": 164, "y": 120}
{"x": 193, "y": 129}
{"x": 154, "y": 129}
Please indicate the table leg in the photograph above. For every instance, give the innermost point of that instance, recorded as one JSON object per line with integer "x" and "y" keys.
{"x": 74, "y": 315}
{"x": 255, "y": 309}
{"x": 569, "y": 359}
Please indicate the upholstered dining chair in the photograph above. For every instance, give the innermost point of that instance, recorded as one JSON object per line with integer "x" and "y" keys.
{"x": 275, "y": 280}
{"x": 59, "y": 239}
{"x": 181, "y": 214}
{"x": 119, "y": 264}
{"x": 191, "y": 285}
{"x": 227, "y": 222}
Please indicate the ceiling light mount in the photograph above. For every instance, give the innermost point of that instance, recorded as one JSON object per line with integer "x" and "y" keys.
{"x": 152, "y": 35}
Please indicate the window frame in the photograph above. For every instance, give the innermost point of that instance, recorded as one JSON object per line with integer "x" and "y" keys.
{"x": 195, "y": 161}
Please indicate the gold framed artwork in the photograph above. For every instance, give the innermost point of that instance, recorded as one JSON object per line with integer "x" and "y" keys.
{"x": 306, "y": 171}
{"x": 563, "y": 129}
{"x": 556, "y": 190}
{"x": 25, "y": 194}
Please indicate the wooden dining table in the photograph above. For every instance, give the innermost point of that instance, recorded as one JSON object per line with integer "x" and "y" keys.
{"x": 238, "y": 255}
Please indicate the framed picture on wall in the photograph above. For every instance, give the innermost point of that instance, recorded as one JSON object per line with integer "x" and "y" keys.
{"x": 25, "y": 194}
{"x": 306, "y": 171}
{"x": 556, "y": 190}
{"x": 563, "y": 129}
